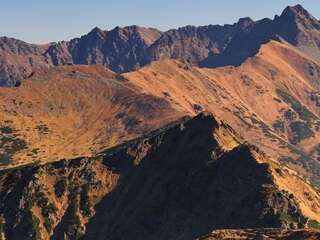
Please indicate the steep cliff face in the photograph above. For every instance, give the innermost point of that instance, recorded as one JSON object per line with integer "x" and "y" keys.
{"x": 216, "y": 46}
{"x": 192, "y": 43}
{"x": 120, "y": 49}
{"x": 244, "y": 44}
{"x": 18, "y": 59}
{"x": 301, "y": 29}
{"x": 126, "y": 49}
{"x": 295, "y": 25}
{"x": 181, "y": 182}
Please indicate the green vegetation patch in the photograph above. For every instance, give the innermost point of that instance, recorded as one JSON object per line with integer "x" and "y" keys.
{"x": 7, "y": 130}
{"x": 302, "y": 130}
{"x": 284, "y": 217}
{"x": 35, "y": 227}
{"x": 42, "y": 128}
{"x": 239, "y": 115}
{"x": 10, "y": 144}
{"x": 295, "y": 104}
{"x": 286, "y": 159}
{"x": 314, "y": 224}
{"x": 267, "y": 131}
{"x": 279, "y": 125}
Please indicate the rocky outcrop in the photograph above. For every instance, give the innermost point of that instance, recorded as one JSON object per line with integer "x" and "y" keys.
{"x": 215, "y": 46}
{"x": 295, "y": 25}
{"x": 245, "y": 43}
{"x": 181, "y": 182}
{"x": 192, "y": 43}
{"x": 300, "y": 28}
{"x": 19, "y": 59}
{"x": 126, "y": 49}
{"x": 119, "y": 49}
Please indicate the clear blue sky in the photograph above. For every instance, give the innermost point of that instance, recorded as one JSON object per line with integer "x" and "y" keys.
{"x": 41, "y": 21}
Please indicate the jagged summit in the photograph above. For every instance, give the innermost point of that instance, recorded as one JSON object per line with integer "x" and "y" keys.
{"x": 96, "y": 32}
{"x": 299, "y": 15}
{"x": 297, "y": 26}
{"x": 245, "y": 22}
{"x": 124, "y": 49}
{"x": 295, "y": 10}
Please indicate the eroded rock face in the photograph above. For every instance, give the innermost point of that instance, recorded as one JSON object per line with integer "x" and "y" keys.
{"x": 126, "y": 49}
{"x": 197, "y": 170}
{"x": 216, "y": 46}
{"x": 301, "y": 29}
{"x": 19, "y": 59}
{"x": 295, "y": 25}
{"x": 119, "y": 49}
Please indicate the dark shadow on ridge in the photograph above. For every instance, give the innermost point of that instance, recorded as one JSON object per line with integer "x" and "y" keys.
{"x": 177, "y": 191}
{"x": 245, "y": 44}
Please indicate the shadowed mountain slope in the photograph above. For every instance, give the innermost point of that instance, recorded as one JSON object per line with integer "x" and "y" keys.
{"x": 71, "y": 111}
{"x": 120, "y": 49}
{"x": 271, "y": 99}
{"x": 301, "y": 29}
{"x": 18, "y": 59}
{"x": 295, "y": 25}
{"x": 182, "y": 182}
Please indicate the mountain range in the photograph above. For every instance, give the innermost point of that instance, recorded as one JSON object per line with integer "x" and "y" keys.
{"x": 207, "y": 132}
{"x": 126, "y": 49}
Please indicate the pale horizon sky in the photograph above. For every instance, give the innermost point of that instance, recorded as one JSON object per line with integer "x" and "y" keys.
{"x": 43, "y": 21}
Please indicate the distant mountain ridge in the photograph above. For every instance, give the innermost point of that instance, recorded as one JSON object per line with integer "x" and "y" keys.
{"x": 119, "y": 49}
{"x": 126, "y": 49}
{"x": 183, "y": 147}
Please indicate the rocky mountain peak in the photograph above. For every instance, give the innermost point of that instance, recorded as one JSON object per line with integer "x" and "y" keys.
{"x": 295, "y": 10}
{"x": 147, "y": 35}
{"x": 245, "y": 22}
{"x": 297, "y": 26}
{"x": 124, "y": 33}
{"x": 299, "y": 15}
{"x": 97, "y": 33}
